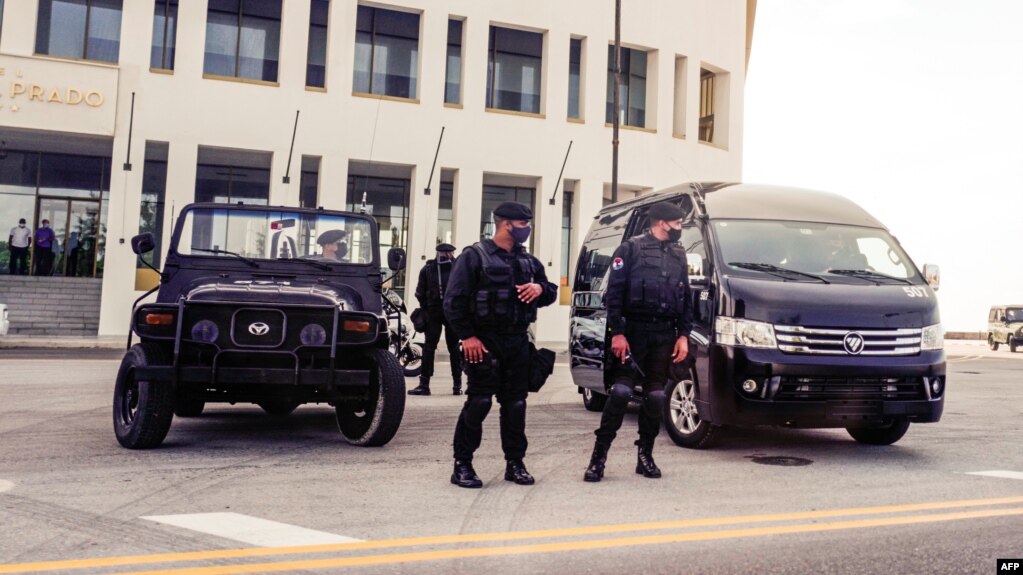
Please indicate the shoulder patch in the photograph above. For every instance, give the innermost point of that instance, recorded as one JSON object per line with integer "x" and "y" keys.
{"x": 617, "y": 264}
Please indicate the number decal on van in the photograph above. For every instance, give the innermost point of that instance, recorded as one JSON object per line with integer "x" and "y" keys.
{"x": 916, "y": 292}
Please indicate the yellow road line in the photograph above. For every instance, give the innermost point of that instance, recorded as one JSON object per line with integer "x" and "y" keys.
{"x": 366, "y": 560}
{"x": 490, "y": 537}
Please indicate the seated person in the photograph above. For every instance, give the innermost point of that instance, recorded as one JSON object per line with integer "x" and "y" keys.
{"x": 844, "y": 256}
{"x": 333, "y": 244}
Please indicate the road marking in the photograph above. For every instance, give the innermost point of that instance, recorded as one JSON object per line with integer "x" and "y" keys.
{"x": 1001, "y": 474}
{"x": 499, "y": 537}
{"x": 441, "y": 555}
{"x": 251, "y": 530}
{"x": 6, "y": 485}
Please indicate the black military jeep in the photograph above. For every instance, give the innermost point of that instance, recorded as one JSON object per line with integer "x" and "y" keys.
{"x": 268, "y": 305}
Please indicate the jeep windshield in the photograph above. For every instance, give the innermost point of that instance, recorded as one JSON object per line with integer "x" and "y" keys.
{"x": 1014, "y": 314}
{"x": 252, "y": 235}
{"x": 801, "y": 251}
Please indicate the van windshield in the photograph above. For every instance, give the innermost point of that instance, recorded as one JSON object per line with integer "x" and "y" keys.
{"x": 251, "y": 235}
{"x": 792, "y": 250}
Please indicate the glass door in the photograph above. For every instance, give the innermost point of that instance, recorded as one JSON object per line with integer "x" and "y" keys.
{"x": 75, "y": 225}
{"x": 52, "y": 214}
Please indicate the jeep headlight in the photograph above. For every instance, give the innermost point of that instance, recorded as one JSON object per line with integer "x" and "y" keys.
{"x": 932, "y": 338}
{"x": 744, "y": 332}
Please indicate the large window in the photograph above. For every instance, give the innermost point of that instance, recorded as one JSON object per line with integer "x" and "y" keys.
{"x": 445, "y": 213}
{"x": 309, "y": 188}
{"x": 706, "y": 105}
{"x": 632, "y": 92}
{"x": 386, "y": 53}
{"x": 514, "y": 70}
{"x": 165, "y": 30}
{"x": 316, "y": 58}
{"x": 575, "y": 61}
{"x": 243, "y": 39}
{"x": 387, "y": 200}
{"x": 494, "y": 196}
{"x": 154, "y": 191}
{"x": 453, "y": 75}
{"x": 566, "y": 236}
{"x": 232, "y": 176}
{"x": 83, "y": 29}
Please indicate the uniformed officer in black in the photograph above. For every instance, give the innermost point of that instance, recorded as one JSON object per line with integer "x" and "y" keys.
{"x": 433, "y": 281}
{"x": 649, "y": 316}
{"x": 494, "y": 292}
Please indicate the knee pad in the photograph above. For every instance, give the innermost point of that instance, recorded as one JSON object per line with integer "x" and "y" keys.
{"x": 653, "y": 403}
{"x": 620, "y": 394}
{"x": 478, "y": 406}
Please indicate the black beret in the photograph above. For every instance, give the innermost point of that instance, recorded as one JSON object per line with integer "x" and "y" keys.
{"x": 445, "y": 248}
{"x": 665, "y": 211}
{"x": 513, "y": 211}
{"x": 331, "y": 237}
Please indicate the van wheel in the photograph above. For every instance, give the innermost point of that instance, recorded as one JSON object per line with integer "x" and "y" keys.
{"x": 991, "y": 342}
{"x": 372, "y": 420}
{"x": 278, "y": 406}
{"x": 189, "y": 407}
{"x": 143, "y": 410}
{"x": 592, "y": 400}
{"x": 884, "y": 435}
{"x": 682, "y": 420}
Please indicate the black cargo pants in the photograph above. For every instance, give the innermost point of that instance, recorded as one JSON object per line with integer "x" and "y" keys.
{"x": 504, "y": 373}
{"x": 433, "y": 328}
{"x": 651, "y": 346}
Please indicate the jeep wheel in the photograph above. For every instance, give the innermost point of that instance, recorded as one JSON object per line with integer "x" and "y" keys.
{"x": 411, "y": 359}
{"x": 189, "y": 407}
{"x": 682, "y": 420}
{"x": 142, "y": 409}
{"x": 279, "y": 407}
{"x": 1012, "y": 345}
{"x": 592, "y": 400}
{"x": 884, "y": 435}
{"x": 374, "y": 419}
{"x": 991, "y": 342}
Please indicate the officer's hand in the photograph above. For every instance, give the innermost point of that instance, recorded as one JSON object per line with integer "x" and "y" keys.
{"x": 620, "y": 347}
{"x": 528, "y": 292}
{"x": 473, "y": 349}
{"x": 681, "y": 350}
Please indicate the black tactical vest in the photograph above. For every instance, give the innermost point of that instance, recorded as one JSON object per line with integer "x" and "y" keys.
{"x": 496, "y": 302}
{"x": 656, "y": 285}
{"x": 437, "y": 275}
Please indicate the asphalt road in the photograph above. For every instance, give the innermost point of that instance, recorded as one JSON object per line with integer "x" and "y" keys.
{"x": 73, "y": 501}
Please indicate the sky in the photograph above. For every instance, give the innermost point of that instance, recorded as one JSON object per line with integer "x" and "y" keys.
{"x": 914, "y": 110}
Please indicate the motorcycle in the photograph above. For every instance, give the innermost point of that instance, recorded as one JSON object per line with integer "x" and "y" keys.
{"x": 408, "y": 352}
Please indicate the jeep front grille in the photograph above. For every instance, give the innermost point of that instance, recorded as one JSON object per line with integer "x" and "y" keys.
{"x": 832, "y": 341}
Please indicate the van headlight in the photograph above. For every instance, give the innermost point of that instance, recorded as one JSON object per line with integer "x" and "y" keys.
{"x": 932, "y": 338}
{"x": 744, "y": 332}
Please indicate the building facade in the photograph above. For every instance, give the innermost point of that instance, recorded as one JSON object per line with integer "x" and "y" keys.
{"x": 115, "y": 114}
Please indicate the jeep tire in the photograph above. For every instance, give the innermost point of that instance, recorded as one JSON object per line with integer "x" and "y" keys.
{"x": 681, "y": 418}
{"x": 143, "y": 410}
{"x": 1012, "y": 345}
{"x": 991, "y": 342}
{"x": 882, "y": 435}
{"x": 372, "y": 420}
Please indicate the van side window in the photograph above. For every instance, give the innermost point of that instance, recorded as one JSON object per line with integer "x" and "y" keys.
{"x": 692, "y": 241}
{"x": 591, "y": 273}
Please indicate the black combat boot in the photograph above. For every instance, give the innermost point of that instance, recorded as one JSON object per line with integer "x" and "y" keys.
{"x": 465, "y": 476}
{"x": 424, "y": 387}
{"x": 515, "y": 471}
{"x": 645, "y": 465}
{"x": 595, "y": 472}
{"x": 456, "y": 389}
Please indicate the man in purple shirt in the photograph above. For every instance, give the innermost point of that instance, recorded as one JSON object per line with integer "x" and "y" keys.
{"x": 44, "y": 248}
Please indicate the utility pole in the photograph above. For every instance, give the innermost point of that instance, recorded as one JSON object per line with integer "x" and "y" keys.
{"x": 615, "y": 104}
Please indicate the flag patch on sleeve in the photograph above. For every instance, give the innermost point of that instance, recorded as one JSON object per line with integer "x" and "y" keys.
{"x": 617, "y": 264}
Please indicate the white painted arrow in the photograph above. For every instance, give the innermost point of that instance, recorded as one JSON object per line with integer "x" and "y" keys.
{"x": 250, "y": 530}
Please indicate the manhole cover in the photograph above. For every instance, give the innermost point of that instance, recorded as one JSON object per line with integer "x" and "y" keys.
{"x": 971, "y": 372}
{"x": 781, "y": 460}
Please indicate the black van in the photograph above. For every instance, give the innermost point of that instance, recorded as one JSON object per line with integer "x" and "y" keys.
{"x": 807, "y": 313}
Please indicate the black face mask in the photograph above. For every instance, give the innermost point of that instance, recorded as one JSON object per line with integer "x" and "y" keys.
{"x": 674, "y": 235}
{"x": 444, "y": 259}
{"x": 342, "y": 250}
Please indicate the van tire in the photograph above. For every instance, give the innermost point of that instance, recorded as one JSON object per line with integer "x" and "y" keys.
{"x": 681, "y": 419}
{"x": 592, "y": 400}
{"x": 372, "y": 420}
{"x": 991, "y": 342}
{"x": 143, "y": 410}
{"x": 884, "y": 435}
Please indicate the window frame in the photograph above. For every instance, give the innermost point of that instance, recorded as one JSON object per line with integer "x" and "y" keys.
{"x": 326, "y": 45}
{"x": 627, "y": 84}
{"x": 492, "y": 52}
{"x": 164, "y": 43}
{"x": 413, "y": 93}
{"x": 85, "y": 34}
{"x": 238, "y": 45}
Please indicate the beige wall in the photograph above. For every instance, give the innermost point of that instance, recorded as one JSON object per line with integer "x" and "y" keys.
{"x": 188, "y": 111}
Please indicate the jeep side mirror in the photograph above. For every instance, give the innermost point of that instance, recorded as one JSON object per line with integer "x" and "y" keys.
{"x": 697, "y": 277}
{"x": 932, "y": 275}
{"x": 143, "y": 243}
{"x": 395, "y": 259}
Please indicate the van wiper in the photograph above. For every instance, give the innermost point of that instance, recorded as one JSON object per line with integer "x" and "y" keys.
{"x": 868, "y": 274}
{"x": 775, "y": 270}
{"x": 318, "y": 264}
{"x": 218, "y": 251}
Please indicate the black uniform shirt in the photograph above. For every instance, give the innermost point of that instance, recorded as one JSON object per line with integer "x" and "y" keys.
{"x": 465, "y": 279}
{"x": 428, "y": 286}
{"x": 622, "y": 262}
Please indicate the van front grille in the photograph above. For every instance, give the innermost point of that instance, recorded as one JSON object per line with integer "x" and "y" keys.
{"x": 841, "y": 388}
{"x": 831, "y": 341}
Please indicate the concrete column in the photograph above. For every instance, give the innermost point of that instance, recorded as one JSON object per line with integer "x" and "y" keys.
{"x": 333, "y": 185}
{"x": 190, "y": 45}
{"x": 19, "y": 33}
{"x": 468, "y": 202}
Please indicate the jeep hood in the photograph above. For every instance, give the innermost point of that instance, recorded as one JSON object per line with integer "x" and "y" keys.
{"x": 832, "y": 305}
{"x": 276, "y": 292}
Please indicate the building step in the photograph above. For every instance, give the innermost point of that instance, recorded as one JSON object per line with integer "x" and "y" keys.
{"x": 57, "y": 306}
